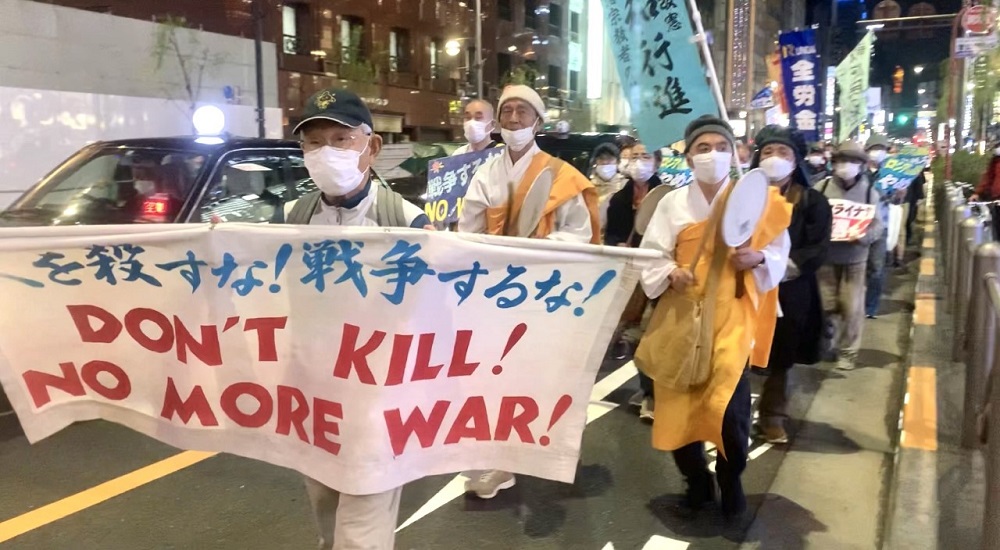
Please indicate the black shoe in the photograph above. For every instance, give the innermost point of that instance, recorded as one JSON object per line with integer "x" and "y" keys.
{"x": 700, "y": 495}
{"x": 620, "y": 350}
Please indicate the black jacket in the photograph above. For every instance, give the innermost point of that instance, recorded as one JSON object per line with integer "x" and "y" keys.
{"x": 621, "y": 215}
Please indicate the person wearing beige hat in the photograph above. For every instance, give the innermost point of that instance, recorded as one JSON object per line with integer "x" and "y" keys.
{"x": 842, "y": 279}
{"x": 525, "y": 192}
{"x": 513, "y": 183}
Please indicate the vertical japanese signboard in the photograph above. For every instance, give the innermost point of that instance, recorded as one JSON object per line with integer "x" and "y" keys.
{"x": 852, "y": 81}
{"x": 660, "y": 67}
{"x": 799, "y": 66}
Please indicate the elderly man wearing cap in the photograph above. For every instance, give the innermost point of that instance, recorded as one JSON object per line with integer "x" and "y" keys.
{"x": 729, "y": 283}
{"x": 507, "y": 195}
{"x": 340, "y": 149}
{"x": 525, "y": 192}
{"x": 842, "y": 279}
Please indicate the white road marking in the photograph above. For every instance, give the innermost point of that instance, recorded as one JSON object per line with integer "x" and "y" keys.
{"x": 596, "y": 409}
{"x": 657, "y": 542}
{"x": 608, "y": 546}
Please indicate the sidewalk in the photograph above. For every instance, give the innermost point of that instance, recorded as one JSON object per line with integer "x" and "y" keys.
{"x": 832, "y": 489}
{"x": 938, "y": 485}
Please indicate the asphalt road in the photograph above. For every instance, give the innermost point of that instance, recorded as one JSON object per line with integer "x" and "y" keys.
{"x": 622, "y": 495}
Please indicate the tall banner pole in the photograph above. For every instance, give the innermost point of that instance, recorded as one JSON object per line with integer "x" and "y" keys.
{"x": 713, "y": 78}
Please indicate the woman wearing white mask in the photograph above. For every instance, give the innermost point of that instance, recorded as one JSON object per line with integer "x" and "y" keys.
{"x": 842, "y": 280}
{"x": 478, "y": 126}
{"x": 798, "y": 333}
{"x": 640, "y": 179}
{"x": 719, "y": 409}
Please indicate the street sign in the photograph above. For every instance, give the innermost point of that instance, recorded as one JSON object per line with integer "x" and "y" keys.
{"x": 979, "y": 19}
{"x": 974, "y": 46}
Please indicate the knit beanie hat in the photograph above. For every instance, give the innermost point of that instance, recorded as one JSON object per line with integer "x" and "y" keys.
{"x": 707, "y": 124}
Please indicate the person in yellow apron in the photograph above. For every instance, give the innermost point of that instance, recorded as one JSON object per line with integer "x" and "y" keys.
{"x": 718, "y": 409}
{"x": 525, "y": 192}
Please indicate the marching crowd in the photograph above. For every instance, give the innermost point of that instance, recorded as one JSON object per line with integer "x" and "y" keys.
{"x": 705, "y": 316}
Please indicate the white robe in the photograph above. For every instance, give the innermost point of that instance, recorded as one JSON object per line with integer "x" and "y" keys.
{"x": 687, "y": 206}
{"x": 494, "y": 184}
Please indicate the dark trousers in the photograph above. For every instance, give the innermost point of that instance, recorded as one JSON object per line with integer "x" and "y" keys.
{"x": 774, "y": 396}
{"x": 645, "y": 384}
{"x": 875, "y": 276}
{"x": 911, "y": 216}
{"x": 691, "y": 460}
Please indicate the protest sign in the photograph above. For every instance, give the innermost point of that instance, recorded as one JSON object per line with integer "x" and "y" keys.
{"x": 899, "y": 170}
{"x": 799, "y": 66}
{"x": 448, "y": 180}
{"x": 364, "y": 358}
{"x": 850, "y": 220}
{"x": 661, "y": 67}
{"x": 852, "y": 81}
{"x": 675, "y": 172}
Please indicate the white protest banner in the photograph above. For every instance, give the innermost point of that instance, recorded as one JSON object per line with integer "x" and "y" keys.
{"x": 365, "y": 358}
{"x": 852, "y": 81}
{"x": 850, "y": 220}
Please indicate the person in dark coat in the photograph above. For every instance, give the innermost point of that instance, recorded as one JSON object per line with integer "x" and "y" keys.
{"x": 641, "y": 179}
{"x": 799, "y": 330}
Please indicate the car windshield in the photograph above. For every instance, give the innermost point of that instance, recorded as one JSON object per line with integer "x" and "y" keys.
{"x": 112, "y": 186}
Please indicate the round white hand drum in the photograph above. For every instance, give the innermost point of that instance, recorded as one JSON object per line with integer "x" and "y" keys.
{"x": 745, "y": 208}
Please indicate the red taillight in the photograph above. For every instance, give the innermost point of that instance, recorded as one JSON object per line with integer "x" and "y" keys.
{"x": 157, "y": 206}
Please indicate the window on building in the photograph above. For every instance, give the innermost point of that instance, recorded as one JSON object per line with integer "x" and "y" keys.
{"x": 399, "y": 50}
{"x": 555, "y": 80}
{"x": 574, "y": 26}
{"x": 351, "y": 38}
{"x": 291, "y": 43}
{"x": 504, "y": 10}
{"x": 530, "y": 8}
{"x": 433, "y": 51}
{"x": 555, "y": 20}
{"x": 504, "y": 64}
{"x": 574, "y": 84}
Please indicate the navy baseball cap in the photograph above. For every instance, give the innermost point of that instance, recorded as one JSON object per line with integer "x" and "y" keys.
{"x": 337, "y": 105}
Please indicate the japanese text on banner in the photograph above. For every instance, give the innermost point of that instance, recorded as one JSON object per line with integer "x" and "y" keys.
{"x": 660, "y": 67}
{"x": 364, "y": 358}
{"x": 799, "y": 66}
{"x": 448, "y": 180}
{"x": 899, "y": 170}
{"x": 852, "y": 82}
{"x": 850, "y": 220}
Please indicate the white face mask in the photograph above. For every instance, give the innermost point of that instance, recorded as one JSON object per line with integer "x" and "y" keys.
{"x": 476, "y": 131}
{"x": 641, "y": 170}
{"x": 847, "y": 171}
{"x": 713, "y": 167}
{"x": 877, "y": 156}
{"x": 145, "y": 187}
{"x": 517, "y": 140}
{"x": 817, "y": 160}
{"x": 777, "y": 168}
{"x": 606, "y": 171}
{"x": 335, "y": 171}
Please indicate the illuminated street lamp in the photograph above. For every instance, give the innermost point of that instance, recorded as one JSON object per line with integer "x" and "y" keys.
{"x": 452, "y": 48}
{"x": 918, "y": 69}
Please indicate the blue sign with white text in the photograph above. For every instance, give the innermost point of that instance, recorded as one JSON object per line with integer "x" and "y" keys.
{"x": 799, "y": 70}
{"x": 448, "y": 180}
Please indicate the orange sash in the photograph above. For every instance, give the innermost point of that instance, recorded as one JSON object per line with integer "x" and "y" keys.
{"x": 567, "y": 183}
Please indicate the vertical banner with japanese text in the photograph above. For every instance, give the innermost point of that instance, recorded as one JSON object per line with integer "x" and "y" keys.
{"x": 362, "y": 357}
{"x": 799, "y": 64}
{"x": 852, "y": 83}
{"x": 448, "y": 180}
{"x": 660, "y": 66}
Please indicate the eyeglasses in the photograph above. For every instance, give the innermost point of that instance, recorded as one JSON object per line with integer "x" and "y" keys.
{"x": 344, "y": 141}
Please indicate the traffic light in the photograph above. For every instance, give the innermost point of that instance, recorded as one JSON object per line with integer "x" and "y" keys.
{"x": 903, "y": 119}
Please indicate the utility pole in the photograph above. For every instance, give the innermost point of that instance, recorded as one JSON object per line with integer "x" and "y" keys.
{"x": 258, "y": 27}
{"x": 479, "y": 49}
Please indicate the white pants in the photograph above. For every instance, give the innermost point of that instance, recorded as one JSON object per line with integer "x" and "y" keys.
{"x": 354, "y": 522}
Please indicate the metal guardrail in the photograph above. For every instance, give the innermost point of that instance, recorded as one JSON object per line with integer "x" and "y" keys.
{"x": 972, "y": 273}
